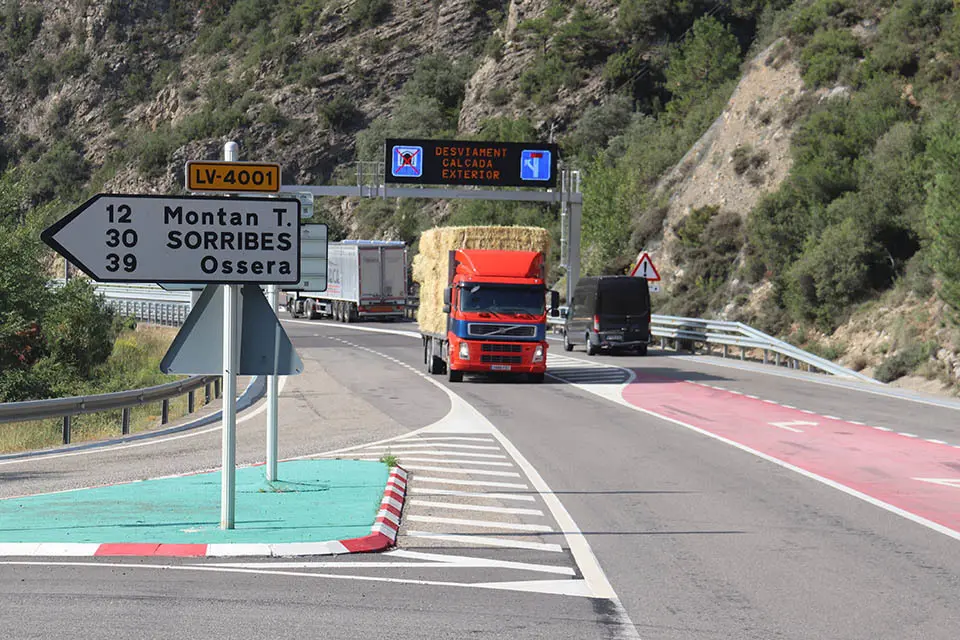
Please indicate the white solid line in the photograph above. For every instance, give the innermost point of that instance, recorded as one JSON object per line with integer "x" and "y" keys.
{"x": 479, "y": 472}
{"x": 426, "y": 491}
{"x": 486, "y": 541}
{"x": 415, "y": 445}
{"x": 444, "y": 439}
{"x": 441, "y": 452}
{"x": 470, "y": 561}
{"x": 474, "y": 507}
{"x": 402, "y": 457}
{"x": 472, "y": 483}
{"x": 485, "y": 524}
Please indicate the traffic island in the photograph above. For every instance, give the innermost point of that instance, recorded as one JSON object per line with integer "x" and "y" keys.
{"x": 320, "y": 507}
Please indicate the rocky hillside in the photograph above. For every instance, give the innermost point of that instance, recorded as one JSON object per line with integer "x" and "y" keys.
{"x": 788, "y": 161}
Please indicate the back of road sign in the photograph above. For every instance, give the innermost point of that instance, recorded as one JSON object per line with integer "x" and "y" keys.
{"x": 265, "y": 348}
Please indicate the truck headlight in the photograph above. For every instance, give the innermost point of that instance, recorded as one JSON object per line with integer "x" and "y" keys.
{"x": 538, "y": 353}
{"x": 464, "y": 351}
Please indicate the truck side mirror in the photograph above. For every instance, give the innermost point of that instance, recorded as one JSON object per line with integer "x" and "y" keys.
{"x": 447, "y": 295}
{"x": 554, "y": 303}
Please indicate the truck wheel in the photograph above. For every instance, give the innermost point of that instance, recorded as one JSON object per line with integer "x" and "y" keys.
{"x": 454, "y": 376}
{"x": 350, "y": 312}
{"x": 338, "y": 311}
{"x": 642, "y": 350}
{"x": 567, "y": 345}
{"x": 292, "y": 310}
{"x": 536, "y": 378}
{"x": 312, "y": 311}
{"x": 591, "y": 350}
{"x": 434, "y": 364}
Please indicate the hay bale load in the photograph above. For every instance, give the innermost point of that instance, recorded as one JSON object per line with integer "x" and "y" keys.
{"x": 430, "y": 264}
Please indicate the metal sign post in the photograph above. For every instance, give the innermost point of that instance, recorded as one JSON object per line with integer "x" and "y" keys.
{"x": 272, "y": 400}
{"x": 231, "y": 347}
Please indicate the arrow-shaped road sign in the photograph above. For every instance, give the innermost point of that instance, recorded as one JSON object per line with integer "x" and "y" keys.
{"x": 645, "y": 268}
{"x": 191, "y": 239}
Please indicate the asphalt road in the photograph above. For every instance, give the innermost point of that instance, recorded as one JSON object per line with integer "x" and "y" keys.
{"x": 694, "y": 537}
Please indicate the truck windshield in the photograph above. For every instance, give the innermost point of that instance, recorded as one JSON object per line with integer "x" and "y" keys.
{"x": 501, "y": 299}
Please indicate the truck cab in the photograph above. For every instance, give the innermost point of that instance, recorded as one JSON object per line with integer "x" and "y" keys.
{"x": 496, "y": 314}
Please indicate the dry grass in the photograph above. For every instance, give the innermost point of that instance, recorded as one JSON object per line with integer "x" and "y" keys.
{"x": 430, "y": 264}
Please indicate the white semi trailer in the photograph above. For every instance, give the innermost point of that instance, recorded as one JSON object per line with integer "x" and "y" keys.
{"x": 365, "y": 279}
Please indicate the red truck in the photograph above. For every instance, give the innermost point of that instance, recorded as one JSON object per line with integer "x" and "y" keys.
{"x": 496, "y": 316}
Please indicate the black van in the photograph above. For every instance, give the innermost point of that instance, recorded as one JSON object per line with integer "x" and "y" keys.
{"x": 609, "y": 312}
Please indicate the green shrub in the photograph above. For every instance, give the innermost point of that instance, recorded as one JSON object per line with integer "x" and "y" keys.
{"x": 904, "y": 361}
{"x": 545, "y": 77}
{"x": 20, "y": 28}
{"x": 942, "y": 209}
{"x": 506, "y": 130}
{"x": 439, "y": 78}
{"x": 59, "y": 173}
{"x": 498, "y": 96}
{"x": 827, "y": 54}
{"x": 370, "y": 13}
{"x": 493, "y": 48}
{"x": 40, "y": 76}
{"x": 340, "y": 113}
{"x": 598, "y": 124}
{"x": 706, "y": 60}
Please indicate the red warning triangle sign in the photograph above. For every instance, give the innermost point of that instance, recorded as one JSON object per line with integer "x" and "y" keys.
{"x": 645, "y": 268}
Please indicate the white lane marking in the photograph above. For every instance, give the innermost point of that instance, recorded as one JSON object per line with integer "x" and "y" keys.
{"x": 861, "y": 424}
{"x": 485, "y": 541}
{"x": 772, "y": 402}
{"x": 753, "y": 397}
{"x": 806, "y": 411}
{"x": 444, "y": 439}
{"x": 909, "y": 435}
{"x": 789, "y": 426}
{"x": 596, "y": 579}
{"x": 479, "y": 472}
{"x": 439, "y": 452}
{"x": 832, "y": 418}
{"x": 414, "y": 445}
{"x": 483, "y": 524}
{"x": 439, "y": 460}
{"x": 426, "y": 491}
{"x": 248, "y": 415}
{"x": 883, "y": 429}
{"x": 935, "y": 441}
{"x": 575, "y": 588}
{"x": 465, "y": 561}
{"x": 426, "y": 561}
{"x": 947, "y": 482}
{"x": 473, "y": 483}
{"x": 474, "y": 507}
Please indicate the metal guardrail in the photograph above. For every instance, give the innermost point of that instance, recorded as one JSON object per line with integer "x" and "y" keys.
{"x": 146, "y": 302}
{"x": 66, "y": 408}
{"x": 727, "y": 334}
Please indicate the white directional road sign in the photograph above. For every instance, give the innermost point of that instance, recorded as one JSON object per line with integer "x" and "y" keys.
{"x": 191, "y": 239}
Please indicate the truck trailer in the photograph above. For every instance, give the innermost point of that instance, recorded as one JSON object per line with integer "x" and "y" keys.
{"x": 365, "y": 279}
{"x": 496, "y": 316}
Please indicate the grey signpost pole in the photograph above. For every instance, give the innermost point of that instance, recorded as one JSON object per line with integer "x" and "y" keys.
{"x": 231, "y": 308}
{"x": 272, "y": 409}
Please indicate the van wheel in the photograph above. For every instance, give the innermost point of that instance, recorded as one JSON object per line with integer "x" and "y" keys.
{"x": 591, "y": 350}
{"x": 567, "y": 345}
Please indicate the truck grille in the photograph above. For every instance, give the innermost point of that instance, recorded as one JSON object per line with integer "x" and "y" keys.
{"x": 502, "y": 348}
{"x": 502, "y": 330}
{"x": 501, "y": 359}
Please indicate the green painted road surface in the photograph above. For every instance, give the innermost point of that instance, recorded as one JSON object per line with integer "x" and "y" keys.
{"x": 315, "y": 501}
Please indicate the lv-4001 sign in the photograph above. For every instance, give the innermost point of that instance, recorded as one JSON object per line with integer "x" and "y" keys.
{"x": 195, "y": 239}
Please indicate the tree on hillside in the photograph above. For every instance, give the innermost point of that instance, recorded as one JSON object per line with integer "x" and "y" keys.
{"x": 709, "y": 57}
{"x": 943, "y": 208}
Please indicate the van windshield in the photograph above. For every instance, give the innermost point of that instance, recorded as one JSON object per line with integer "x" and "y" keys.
{"x": 502, "y": 299}
{"x": 623, "y": 298}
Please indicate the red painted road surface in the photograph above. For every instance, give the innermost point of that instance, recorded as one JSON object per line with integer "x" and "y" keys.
{"x": 882, "y": 465}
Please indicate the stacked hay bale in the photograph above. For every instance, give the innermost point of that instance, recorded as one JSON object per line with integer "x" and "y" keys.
{"x": 430, "y": 265}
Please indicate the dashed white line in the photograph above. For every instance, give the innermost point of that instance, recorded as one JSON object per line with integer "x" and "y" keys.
{"x": 473, "y": 483}
{"x": 483, "y": 524}
{"x": 445, "y": 438}
{"x": 935, "y": 441}
{"x": 474, "y": 507}
{"x": 403, "y": 460}
{"x": 908, "y": 435}
{"x": 434, "y": 452}
{"x": 413, "y": 445}
{"x": 479, "y": 472}
{"x": 486, "y": 541}
{"x": 426, "y": 491}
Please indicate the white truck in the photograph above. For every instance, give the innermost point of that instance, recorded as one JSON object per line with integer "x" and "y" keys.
{"x": 365, "y": 279}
